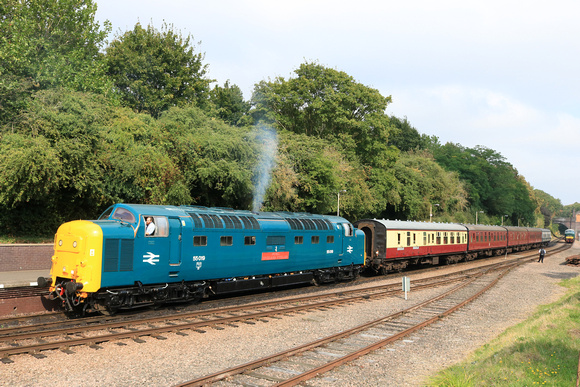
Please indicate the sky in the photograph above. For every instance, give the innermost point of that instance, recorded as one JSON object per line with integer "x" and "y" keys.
{"x": 502, "y": 74}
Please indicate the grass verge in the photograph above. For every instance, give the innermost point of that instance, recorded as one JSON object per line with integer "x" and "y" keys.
{"x": 541, "y": 351}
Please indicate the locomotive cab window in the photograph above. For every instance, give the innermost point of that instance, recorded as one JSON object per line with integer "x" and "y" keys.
{"x": 249, "y": 240}
{"x": 330, "y": 239}
{"x": 155, "y": 226}
{"x": 347, "y": 229}
{"x": 123, "y": 215}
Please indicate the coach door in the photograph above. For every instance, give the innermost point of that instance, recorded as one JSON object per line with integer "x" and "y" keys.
{"x": 174, "y": 242}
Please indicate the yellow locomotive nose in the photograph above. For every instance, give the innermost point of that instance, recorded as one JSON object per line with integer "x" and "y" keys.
{"x": 77, "y": 252}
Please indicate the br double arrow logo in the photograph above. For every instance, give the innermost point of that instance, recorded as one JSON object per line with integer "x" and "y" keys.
{"x": 150, "y": 258}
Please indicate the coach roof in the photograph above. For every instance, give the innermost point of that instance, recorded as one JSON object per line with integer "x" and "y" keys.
{"x": 418, "y": 226}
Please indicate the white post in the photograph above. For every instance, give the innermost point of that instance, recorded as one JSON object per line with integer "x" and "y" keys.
{"x": 338, "y": 204}
{"x": 406, "y": 285}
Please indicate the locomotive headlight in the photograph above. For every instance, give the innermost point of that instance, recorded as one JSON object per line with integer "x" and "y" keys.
{"x": 60, "y": 242}
{"x": 75, "y": 244}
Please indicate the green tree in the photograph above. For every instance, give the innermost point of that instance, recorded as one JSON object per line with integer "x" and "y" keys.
{"x": 154, "y": 70}
{"x": 229, "y": 104}
{"x": 216, "y": 159}
{"x": 308, "y": 175}
{"x": 421, "y": 183}
{"x": 73, "y": 154}
{"x": 404, "y": 136}
{"x": 53, "y": 43}
{"x": 328, "y": 104}
{"x": 494, "y": 185}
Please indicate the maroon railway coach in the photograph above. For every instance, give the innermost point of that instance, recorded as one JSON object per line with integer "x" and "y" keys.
{"x": 486, "y": 241}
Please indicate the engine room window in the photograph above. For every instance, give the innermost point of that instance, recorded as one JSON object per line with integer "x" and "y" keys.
{"x": 298, "y": 240}
{"x": 330, "y": 239}
{"x": 200, "y": 240}
{"x": 249, "y": 240}
{"x": 226, "y": 241}
{"x": 315, "y": 239}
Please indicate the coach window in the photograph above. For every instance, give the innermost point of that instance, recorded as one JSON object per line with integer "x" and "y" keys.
{"x": 408, "y": 238}
{"x": 424, "y": 239}
{"x": 399, "y": 238}
{"x": 315, "y": 239}
{"x": 452, "y": 241}
{"x": 445, "y": 241}
{"x": 226, "y": 240}
{"x": 330, "y": 239}
{"x": 249, "y": 240}
{"x": 438, "y": 237}
{"x": 414, "y": 239}
{"x": 200, "y": 240}
{"x": 298, "y": 240}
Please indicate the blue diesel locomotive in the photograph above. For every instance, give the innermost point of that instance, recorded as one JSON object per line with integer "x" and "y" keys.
{"x": 111, "y": 263}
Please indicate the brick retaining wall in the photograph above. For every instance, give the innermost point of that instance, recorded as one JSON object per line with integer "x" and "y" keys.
{"x": 14, "y": 257}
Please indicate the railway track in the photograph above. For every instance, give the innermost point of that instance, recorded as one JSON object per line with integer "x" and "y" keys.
{"x": 299, "y": 364}
{"x": 35, "y": 336}
{"x": 16, "y": 340}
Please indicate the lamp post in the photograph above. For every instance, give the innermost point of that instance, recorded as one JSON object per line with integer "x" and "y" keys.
{"x": 476, "y": 215}
{"x": 505, "y": 216}
{"x": 431, "y": 210}
{"x": 338, "y": 203}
